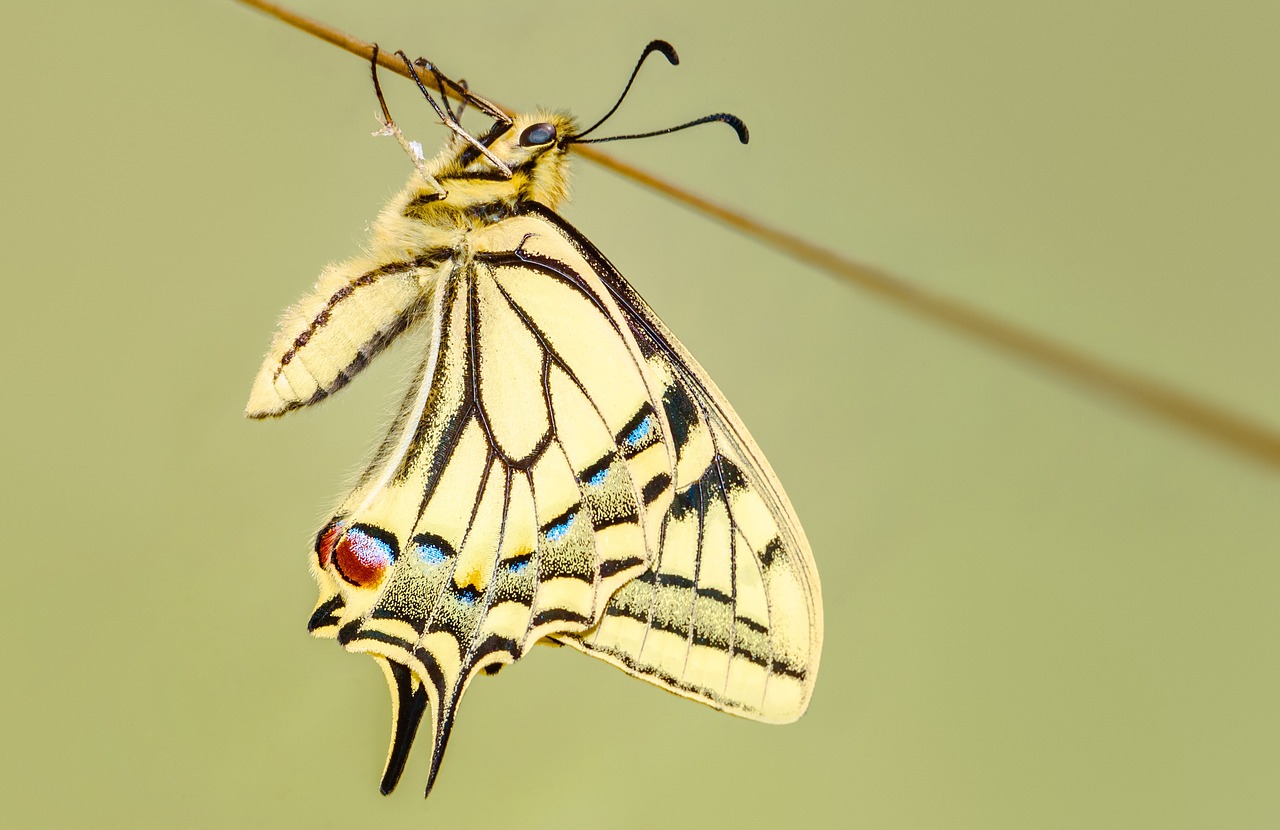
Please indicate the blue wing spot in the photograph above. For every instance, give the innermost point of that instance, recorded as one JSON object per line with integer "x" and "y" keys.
{"x": 431, "y": 554}
{"x": 640, "y": 433}
{"x": 518, "y": 566}
{"x": 468, "y": 595}
{"x": 598, "y": 479}
{"x": 558, "y": 531}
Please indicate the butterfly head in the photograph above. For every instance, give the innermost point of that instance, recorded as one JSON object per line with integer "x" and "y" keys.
{"x": 534, "y": 147}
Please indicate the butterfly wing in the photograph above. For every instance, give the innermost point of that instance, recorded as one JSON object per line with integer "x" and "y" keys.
{"x": 563, "y": 469}
{"x": 523, "y": 483}
{"x": 355, "y": 310}
{"x": 730, "y": 610}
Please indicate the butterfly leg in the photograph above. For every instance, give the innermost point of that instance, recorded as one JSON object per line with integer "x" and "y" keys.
{"x": 463, "y": 91}
{"x": 389, "y": 127}
{"x": 465, "y": 94}
{"x": 447, "y": 117}
{"x": 444, "y": 85}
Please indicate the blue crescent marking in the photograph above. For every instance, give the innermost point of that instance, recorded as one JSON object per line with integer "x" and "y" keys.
{"x": 431, "y": 554}
{"x": 557, "y": 532}
{"x": 640, "y": 432}
{"x": 598, "y": 479}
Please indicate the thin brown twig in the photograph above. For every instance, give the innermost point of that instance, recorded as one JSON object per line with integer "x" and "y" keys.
{"x": 386, "y": 58}
{"x": 1217, "y": 424}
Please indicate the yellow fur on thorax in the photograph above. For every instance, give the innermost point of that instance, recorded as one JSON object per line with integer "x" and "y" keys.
{"x": 434, "y": 223}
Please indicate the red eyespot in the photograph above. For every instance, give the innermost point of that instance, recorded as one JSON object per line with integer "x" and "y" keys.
{"x": 364, "y": 554}
{"x": 325, "y": 540}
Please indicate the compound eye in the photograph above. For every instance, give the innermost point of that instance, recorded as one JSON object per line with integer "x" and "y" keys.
{"x": 537, "y": 134}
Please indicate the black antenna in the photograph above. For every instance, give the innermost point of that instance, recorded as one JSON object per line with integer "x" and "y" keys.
{"x": 668, "y": 51}
{"x": 732, "y": 120}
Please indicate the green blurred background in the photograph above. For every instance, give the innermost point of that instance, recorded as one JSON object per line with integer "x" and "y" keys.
{"x": 1044, "y": 609}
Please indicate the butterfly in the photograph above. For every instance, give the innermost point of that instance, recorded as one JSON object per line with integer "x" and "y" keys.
{"x": 561, "y": 470}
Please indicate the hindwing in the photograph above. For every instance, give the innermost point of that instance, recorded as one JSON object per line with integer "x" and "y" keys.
{"x": 525, "y": 480}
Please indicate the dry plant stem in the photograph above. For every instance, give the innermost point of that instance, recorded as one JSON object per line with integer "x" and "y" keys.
{"x": 1225, "y": 427}
{"x": 1219, "y": 425}
{"x": 386, "y": 59}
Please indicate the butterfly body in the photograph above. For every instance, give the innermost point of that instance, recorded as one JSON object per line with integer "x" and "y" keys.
{"x": 423, "y": 227}
{"x": 560, "y": 470}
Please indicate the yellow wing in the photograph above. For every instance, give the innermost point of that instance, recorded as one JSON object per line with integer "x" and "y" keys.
{"x": 523, "y": 483}
{"x": 563, "y": 469}
{"x": 730, "y": 611}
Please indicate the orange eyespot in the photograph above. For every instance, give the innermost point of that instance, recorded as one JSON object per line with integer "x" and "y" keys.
{"x": 537, "y": 134}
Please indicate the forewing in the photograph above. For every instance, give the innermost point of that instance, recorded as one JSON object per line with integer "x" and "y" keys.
{"x": 517, "y": 491}
{"x": 730, "y": 611}
{"x": 355, "y": 310}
